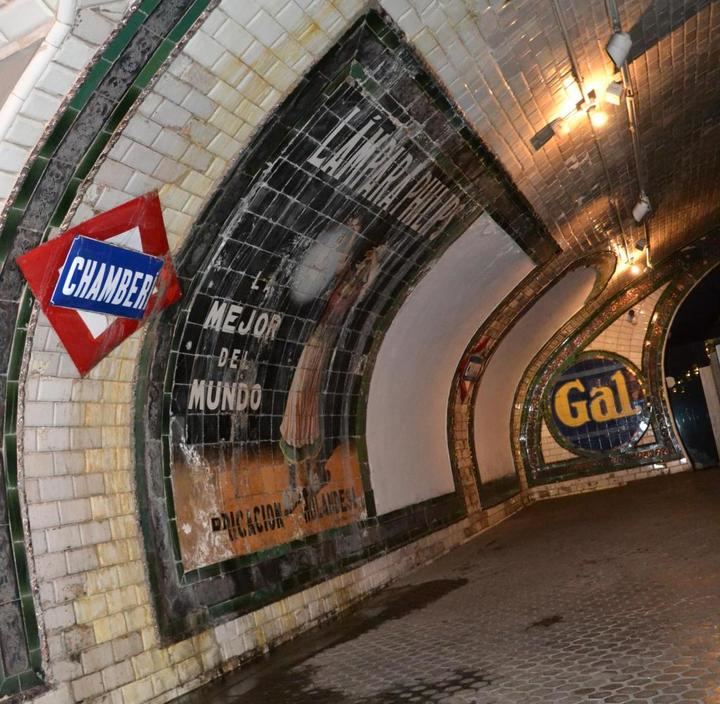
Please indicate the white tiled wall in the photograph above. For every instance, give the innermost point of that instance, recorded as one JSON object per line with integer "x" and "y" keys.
{"x": 552, "y": 451}
{"x": 77, "y": 30}
{"x": 626, "y": 337}
{"x": 23, "y": 22}
{"x": 205, "y": 108}
{"x": 76, "y": 447}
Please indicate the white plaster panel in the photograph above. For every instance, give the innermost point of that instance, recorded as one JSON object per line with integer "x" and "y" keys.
{"x": 407, "y": 406}
{"x": 496, "y": 392}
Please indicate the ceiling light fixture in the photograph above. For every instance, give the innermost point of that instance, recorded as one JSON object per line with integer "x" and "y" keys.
{"x": 618, "y": 48}
{"x": 561, "y": 126}
{"x": 642, "y": 208}
{"x": 587, "y": 103}
{"x": 598, "y": 118}
{"x": 642, "y": 247}
{"x": 614, "y": 93}
{"x": 620, "y": 51}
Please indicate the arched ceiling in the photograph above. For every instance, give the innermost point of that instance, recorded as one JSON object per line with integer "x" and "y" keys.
{"x": 511, "y": 68}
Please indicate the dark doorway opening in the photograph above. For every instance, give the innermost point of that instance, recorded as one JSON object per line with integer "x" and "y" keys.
{"x": 687, "y": 361}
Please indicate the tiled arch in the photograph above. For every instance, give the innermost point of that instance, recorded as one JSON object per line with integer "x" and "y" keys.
{"x": 38, "y": 203}
{"x": 76, "y": 441}
{"x": 109, "y": 125}
{"x": 488, "y": 337}
{"x": 674, "y": 278}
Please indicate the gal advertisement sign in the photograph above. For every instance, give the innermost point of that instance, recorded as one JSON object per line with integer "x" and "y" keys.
{"x": 598, "y": 404}
{"x": 98, "y": 281}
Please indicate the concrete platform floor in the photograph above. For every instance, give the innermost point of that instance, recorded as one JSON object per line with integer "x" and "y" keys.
{"x": 606, "y": 597}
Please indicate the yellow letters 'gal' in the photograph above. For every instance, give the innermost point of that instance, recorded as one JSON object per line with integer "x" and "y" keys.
{"x": 600, "y": 404}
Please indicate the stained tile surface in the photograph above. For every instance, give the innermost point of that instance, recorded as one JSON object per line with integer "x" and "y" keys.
{"x": 608, "y": 597}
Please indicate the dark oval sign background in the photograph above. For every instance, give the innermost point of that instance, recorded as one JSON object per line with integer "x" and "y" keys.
{"x": 599, "y": 404}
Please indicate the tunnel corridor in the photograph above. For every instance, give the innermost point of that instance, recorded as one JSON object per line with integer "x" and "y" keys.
{"x": 359, "y": 351}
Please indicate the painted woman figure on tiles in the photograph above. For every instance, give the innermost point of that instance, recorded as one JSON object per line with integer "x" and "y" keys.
{"x": 347, "y": 264}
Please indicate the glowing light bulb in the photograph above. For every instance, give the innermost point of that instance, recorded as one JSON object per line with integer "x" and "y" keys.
{"x": 634, "y": 269}
{"x": 598, "y": 118}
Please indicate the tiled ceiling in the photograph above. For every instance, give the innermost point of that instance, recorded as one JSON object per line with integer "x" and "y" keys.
{"x": 678, "y": 81}
{"x": 23, "y": 22}
{"x": 23, "y": 25}
{"x": 510, "y": 68}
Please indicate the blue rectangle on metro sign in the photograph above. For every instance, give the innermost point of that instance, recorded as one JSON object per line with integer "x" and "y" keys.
{"x": 105, "y": 278}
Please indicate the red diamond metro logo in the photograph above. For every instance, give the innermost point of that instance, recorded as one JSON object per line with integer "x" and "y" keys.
{"x": 89, "y": 335}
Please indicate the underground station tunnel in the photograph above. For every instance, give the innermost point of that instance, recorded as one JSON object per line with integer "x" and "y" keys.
{"x": 360, "y": 352}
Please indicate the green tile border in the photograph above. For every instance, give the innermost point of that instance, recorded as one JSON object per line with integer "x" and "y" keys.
{"x": 34, "y": 676}
{"x": 13, "y": 219}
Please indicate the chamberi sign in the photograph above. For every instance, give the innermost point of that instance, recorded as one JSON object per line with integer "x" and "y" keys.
{"x": 98, "y": 281}
{"x": 598, "y": 404}
{"x": 106, "y": 278}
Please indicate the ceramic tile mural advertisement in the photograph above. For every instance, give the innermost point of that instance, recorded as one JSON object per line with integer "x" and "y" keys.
{"x": 276, "y": 336}
{"x": 253, "y": 456}
{"x": 602, "y": 410}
